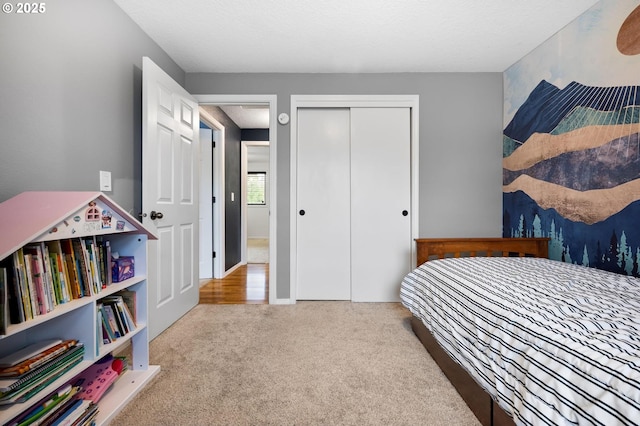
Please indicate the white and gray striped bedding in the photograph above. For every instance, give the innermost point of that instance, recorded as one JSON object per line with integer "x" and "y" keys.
{"x": 553, "y": 343}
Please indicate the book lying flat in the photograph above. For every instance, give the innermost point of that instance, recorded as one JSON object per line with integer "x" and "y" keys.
{"x": 27, "y": 352}
{"x": 35, "y": 361}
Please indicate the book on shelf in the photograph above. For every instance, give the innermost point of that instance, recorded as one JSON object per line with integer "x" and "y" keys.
{"x": 80, "y": 412}
{"x": 27, "y": 352}
{"x": 99, "y": 330}
{"x": 48, "y": 409}
{"x": 36, "y": 291}
{"x": 110, "y": 316}
{"x": 129, "y": 298}
{"x": 24, "y": 263}
{"x": 82, "y": 265}
{"x": 4, "y": 301}
{"x": 34, "y": 356}
{"x": 102, "y": 325}
{"x": 70, "y": 262}
{"x": 24, "y": 387}
{"x": 104, "y": 252}
{"x": 63, "y": 410}
{"x": 22, "y": 286}
{"x": 59, "y": 271}
{"x": 131, "y": 322}
{"x": 15, "y": 308}
{"x": 91, "y": 255}
{"x": 53, "y": 276}
{"x": 121, "y": 316}
{"x": 47, "y": 277}
{"x": 36, "y": 264}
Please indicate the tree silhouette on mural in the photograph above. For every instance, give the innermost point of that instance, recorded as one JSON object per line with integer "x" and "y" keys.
{"x": 619, "y": 257}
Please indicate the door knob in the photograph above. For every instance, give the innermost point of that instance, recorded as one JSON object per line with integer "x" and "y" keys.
{"x": 302, "y": 212}
{"x": 405, "y": 213}
{"x": 155, "y": 215}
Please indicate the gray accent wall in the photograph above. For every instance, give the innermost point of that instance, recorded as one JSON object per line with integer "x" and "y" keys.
{"x": 71, "y": 91}
{"x": 232, "y": 184}
{"x": 460, "y": 149}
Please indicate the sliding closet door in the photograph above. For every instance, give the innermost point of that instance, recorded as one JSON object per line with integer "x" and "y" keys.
{"x": 380, "y": 202}
{"x": 322, "y": 211}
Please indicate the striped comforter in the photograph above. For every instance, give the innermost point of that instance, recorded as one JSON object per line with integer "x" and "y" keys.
{"x": 553, "y": 343}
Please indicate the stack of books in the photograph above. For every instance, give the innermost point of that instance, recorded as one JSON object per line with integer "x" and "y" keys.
{"x": 63, "y": 407}
{"x": 75, "y": 403}
{"x": 28, "y": 371}
{"x": 116, "y": 316}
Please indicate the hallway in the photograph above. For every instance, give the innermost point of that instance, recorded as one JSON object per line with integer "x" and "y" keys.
{"x": 249, "y": 284}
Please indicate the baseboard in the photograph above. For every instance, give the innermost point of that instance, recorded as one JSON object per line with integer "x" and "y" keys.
{"x": 282, "y": 302}
{"x": 233, "y": 268}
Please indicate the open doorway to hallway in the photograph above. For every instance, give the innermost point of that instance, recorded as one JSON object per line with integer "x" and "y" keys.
{"x": 241, "y": 189}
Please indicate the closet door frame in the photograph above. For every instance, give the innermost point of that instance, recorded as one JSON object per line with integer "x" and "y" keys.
{"x": 349, "y": 101}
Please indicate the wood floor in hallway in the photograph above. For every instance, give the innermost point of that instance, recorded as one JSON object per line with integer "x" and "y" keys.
{"x": 249, "y": 284}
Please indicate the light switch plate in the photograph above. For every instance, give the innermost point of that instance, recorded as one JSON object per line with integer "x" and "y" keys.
{"x": 105, "y": 181}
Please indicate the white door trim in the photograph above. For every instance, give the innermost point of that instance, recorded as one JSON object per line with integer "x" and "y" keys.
{"x": 218, "y": 179}
{"x": 349, "y": 101}
{"x": 205, "y": 271}
{"x": 271, "y": 101}
{"x": 244, "y": 170}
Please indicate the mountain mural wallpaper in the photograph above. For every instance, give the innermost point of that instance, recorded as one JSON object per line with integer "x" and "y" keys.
{"x": 571, "y": 141}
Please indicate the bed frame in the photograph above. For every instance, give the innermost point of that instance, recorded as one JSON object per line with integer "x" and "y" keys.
{"x": 480, "y": 402}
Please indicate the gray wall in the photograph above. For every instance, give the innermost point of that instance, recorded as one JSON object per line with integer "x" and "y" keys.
{"x": 71, "y": 88}
{"x": 460, "y": 143}
{"x": 232, "y": 184}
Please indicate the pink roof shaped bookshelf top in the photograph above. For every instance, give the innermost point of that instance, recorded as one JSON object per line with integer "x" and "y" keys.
{"x": 47, "y": 215}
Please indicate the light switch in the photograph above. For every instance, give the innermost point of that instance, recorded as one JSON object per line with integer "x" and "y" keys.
{"x": 105, "y": 181}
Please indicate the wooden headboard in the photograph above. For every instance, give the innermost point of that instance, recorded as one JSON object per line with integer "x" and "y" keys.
{"x": 439, "y": 248}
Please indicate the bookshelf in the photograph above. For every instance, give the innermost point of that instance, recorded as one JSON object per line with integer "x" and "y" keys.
{"x": 46, "y": 218}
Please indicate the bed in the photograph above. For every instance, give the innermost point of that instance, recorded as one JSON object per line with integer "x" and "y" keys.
{"x": 525, "y": 339}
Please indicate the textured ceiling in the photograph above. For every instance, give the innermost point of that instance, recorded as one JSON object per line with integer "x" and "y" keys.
{"x": 248, "y": 116}
{"x": 350, "y": 35}
{"x": 244, "y": 116}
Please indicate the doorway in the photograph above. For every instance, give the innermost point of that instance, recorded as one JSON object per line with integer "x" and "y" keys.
{"x": 225, "y": 197}
{"x": 211, "y": 219}
{"x": 256, "y": 174}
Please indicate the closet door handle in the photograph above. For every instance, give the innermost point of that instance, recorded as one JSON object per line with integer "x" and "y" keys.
{"x": 302, "y": 212}
{"x": 405, "y": 213}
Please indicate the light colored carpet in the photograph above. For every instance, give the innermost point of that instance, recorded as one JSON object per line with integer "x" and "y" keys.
{"x": 257, "y": 250}
{"x": 312, "y": 363}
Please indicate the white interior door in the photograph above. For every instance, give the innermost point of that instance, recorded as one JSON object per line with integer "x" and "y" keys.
{"x": 169, "y": 196}
{"x": 323, "y": 237}
{"x": 380, "y": 202}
